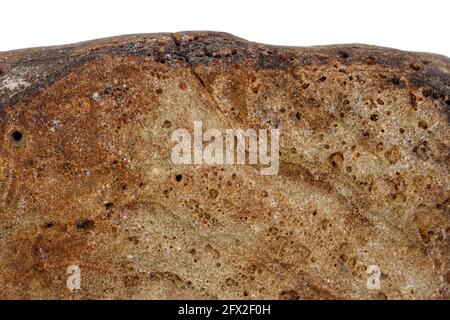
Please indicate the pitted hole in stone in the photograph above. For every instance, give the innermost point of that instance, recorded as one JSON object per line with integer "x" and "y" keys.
{"x": 423, "y": 125}
{"x": 336, "y": 159}
{"x": 213, "y": 193}
{"x": 344, "y": 54}
{"x": 48, "y": 225}
{"x": 415, "y": 66}
{"x": 396, "y": 80}
{"x": 109, "y": 205}
{"x": 85, "y": 224}
{"x": 17, "y": 135}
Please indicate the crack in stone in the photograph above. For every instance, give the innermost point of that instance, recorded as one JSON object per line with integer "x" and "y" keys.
{"x": 200, "y": 80}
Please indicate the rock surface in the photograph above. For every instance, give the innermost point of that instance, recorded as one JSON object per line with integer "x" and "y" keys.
{"x": 86, "y": 177}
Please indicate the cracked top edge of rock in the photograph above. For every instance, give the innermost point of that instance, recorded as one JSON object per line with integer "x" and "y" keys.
{"x": 22, "y": 72}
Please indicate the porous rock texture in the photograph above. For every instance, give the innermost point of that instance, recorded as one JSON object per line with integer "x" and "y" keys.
{"x": 86, "y": 176}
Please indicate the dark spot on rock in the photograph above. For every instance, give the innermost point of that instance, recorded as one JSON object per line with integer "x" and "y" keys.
{"x": 343, "y": 54}
{"x": 159, "y": 91}
{"x": 413, "y": 100}
{"x": 426, "y": 92}
{"x": 109, "y": 205}
{"x": 322, "y": 79}
{"x": 167, "y": 124}
{"x": 370, "y": 60}
{"x": 288, "y": 295}
{"x": 133, "y": 239}
{"x": 85, "y": 224}
{"x": 49, "y": 225}
{"x": 380, "y": 102}
{"x": 393, "y": 154}
{"x": 336, "y": 159}
{"x": 213, "y": 193}
{"x": 231, "y": 282}
{"x": 272, "y": 60}
{"x": 381, "y": 296}
{"x": 374, "y": 117}
{"x": 396, "y": 80}
{"x": 17, "y": 135}
{"x": 415, "y": 66}
{"x": 178, "y": 177}
{"x": 447, "y": 277}
{"x": 398, "y": 197}
{"x": 423, "y": 125}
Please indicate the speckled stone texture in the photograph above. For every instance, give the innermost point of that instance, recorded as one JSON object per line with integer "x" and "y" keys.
{"x": 86, "y": 176}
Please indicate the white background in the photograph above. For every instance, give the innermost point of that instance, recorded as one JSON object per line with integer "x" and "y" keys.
{"x": 409, "y": 25}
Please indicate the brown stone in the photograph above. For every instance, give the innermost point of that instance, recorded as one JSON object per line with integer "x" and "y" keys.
{"x": 86, "y": 177}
